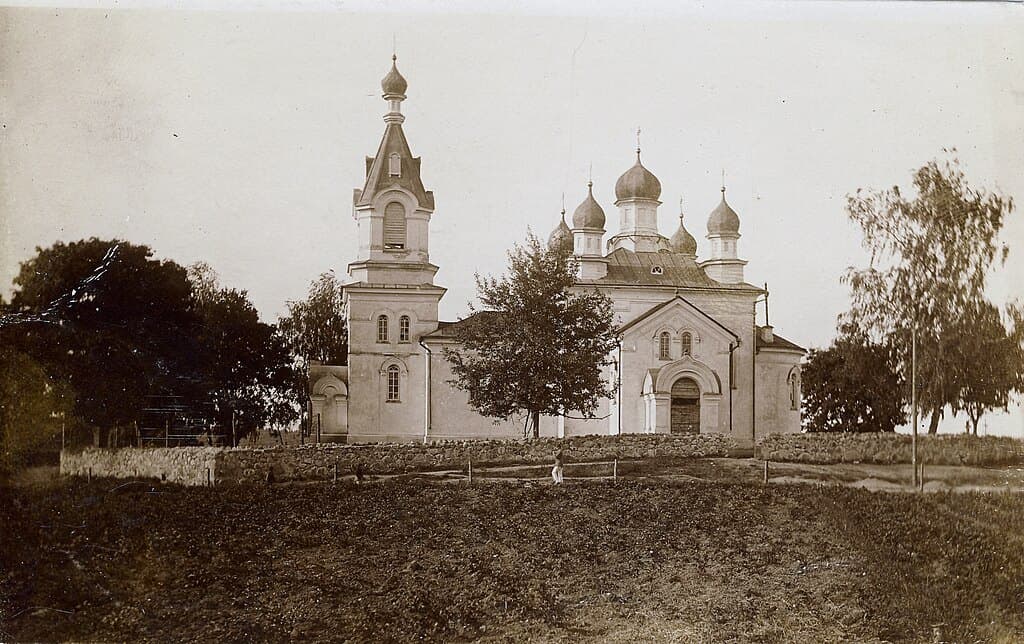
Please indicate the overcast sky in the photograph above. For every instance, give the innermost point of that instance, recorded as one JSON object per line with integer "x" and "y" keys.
{"x": 236, "y": 137}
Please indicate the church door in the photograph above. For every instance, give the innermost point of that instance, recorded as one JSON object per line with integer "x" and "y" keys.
{"x": 685, "y": 407}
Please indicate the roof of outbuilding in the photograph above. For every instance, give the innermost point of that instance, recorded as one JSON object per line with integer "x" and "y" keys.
{"x": 778, "y": 342}
{"x": 450, "y": 329}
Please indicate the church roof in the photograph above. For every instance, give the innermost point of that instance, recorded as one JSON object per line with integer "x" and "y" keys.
{"x": 394, "y": 84}
{"x": 561, "y": 237}
{"x": 631, "y": 268}
{"x": 637, "y": 183}
{"x": 778, "y": 342}
{"x": 651, "y": 311}
{"x": 589, "y": 213}
{"x": 450, "y": 329}
{"x": 378, "y": 177}
{"x": 723, "y": 219}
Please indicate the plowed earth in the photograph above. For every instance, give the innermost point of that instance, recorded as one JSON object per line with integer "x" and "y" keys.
{"x": 597, "y": 560}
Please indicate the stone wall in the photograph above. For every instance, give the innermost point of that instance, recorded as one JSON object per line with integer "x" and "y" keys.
{"x": 839, "y": 447}
{"x": 186, "y": 465}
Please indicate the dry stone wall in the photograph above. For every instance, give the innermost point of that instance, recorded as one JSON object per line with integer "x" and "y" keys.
{"x": 189, "y": 465}
{"x": 185, "y": 465}
{"x": 319, "y": 461}
{"x": 841, "y": 447}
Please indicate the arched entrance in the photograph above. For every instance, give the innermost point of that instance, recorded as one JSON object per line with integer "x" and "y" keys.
{"x": 685, "y": 417}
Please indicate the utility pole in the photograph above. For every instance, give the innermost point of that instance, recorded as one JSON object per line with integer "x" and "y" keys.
{"x": 913, "y": 399}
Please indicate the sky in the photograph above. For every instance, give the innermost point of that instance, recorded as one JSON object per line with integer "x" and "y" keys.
{"x": 235, "y": 136}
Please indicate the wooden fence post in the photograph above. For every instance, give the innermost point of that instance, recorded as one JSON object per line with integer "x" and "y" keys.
{"x": 471, "y": 471}
{"x": 766, "y": 472}
{"x": 615, "y": 470}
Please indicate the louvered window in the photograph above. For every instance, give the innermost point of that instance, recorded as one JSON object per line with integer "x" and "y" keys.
{"x": 687, "y": 341}
{"x": 394, "y": 226}
{"x": 395, "y": 165}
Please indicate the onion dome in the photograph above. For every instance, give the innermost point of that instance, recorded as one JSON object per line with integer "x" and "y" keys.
{"x": 394, "y": 84}
{"x": 637, "y": 183}
{"x": 589, "y": 213}
{"x": 561, "y": 237}
{"x": 682, "y": 241}
{"x": 723, "y": 219}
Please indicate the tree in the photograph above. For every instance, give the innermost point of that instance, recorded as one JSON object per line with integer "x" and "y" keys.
{"x": 244, "y": 364}
{"x": 32, "y": 407}
{"x": 539, "y": 346}
{"x": 315, "y": 327}
{"x": 107, "y": 319}
{"x": 930, "y": 256}
{"x": 852, "y": 386}
{"x": 116, "y": 325}
{"x": 993, "y": 361}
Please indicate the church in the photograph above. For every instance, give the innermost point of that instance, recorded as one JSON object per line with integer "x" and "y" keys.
{"x": 691, "y": 357}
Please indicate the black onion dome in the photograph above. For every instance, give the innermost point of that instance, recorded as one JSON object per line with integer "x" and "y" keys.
{"x": 637, "y": 183}
{"x": 723, "y": 219}
{"x": 394, "y": 83}
{"x": 589, "y": 213}
{"x": 561, "y": 237}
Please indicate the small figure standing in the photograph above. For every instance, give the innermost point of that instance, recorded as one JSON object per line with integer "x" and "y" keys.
{"x": 556, "y": 471}
{"x": 359, "y": 473}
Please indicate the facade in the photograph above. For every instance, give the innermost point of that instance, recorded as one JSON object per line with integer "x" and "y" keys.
{"x": 691, "y": 358}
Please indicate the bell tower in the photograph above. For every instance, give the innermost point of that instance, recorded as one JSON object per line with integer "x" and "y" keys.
{"x": 393, "y": 210}
{"x": 391, "y": 301}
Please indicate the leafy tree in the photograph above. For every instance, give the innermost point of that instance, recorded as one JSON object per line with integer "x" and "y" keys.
{"x": 538, "y": 347}
{"x": 930, "y": 255}
{"x": 315, "y": 327}
{"x": 993, "y": 361}
{"x": 116, "y": 325}
{"x": 32, "y": 407}
{"x": 244, "y": 365}
{"x": 852, "y": 386}
{"x": 108, "y": 320}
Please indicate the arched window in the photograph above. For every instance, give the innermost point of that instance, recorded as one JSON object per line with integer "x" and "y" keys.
{"x": 394, "y": 387}
{"x": 664, "y": 344}
{"x": 403, "y": 328}
{"x": 687, "y": 341}
{"x": 382, "y": 328}
{"x": 395, "y": 165}
{"x": 794, "y": 389}
{"x": 394, "y": 226}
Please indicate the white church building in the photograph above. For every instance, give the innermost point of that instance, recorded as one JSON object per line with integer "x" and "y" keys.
{"x": 691, "y": 358}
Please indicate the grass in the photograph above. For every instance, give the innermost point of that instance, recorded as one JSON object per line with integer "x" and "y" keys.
{"x": 637, "y": 560}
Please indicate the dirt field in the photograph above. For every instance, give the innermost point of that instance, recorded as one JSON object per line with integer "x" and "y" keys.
{"x": 690, "y": 558}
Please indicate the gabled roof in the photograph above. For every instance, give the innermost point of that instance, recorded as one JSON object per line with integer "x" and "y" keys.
{"x": 631, "y": 268}
{"x": 450, "y": 329}
{"x": 678, "y": 298}
{"x": 778, "y": 342}
{"x": 379, "y": 179}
